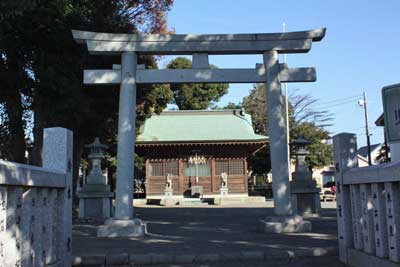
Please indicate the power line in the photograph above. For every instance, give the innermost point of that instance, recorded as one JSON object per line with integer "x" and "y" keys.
{"x": 340, "y": 99}
{"x": 337, "y": 104}
{"x": 375, "y": 134}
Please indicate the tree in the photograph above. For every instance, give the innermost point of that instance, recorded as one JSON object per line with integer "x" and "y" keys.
{"x": 321, "y": 151}
{"x": 230, "y": 105}
{"x": 37, "y": 47}
{"x": 256, "y": 105}
{"x": 4, "y": 134}
{"x": 302, "y": 109}
{"x": 304, "y": 120}
{"x": 14, "y": 78}
{"x": 383, "y": 154}
{"x": 194, "y": 96}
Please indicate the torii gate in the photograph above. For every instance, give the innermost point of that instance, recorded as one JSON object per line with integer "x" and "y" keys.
{"x": 129, "y": 73}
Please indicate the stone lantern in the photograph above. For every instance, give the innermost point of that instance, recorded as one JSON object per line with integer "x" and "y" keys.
{"x": 304, "y": 191}
{"x": 95, "y": 197}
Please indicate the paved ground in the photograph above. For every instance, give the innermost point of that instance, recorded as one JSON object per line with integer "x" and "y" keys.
{"x": 211, "y": 229}
{"x": 306, "y": 262}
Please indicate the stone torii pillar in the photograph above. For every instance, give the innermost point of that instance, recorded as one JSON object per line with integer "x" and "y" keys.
{"x": 277, "y": 136}
{"x": 124, "y": 223}
{"x": 126, "y": 137}
{"x": 200, "y": 47}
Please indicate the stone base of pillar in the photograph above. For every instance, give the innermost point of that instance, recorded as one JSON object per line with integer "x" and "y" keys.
{"x": 196, "y": 191}
{"x": 306, "y": 202}
{"x": 122, "y": 228}
{"x": 284, "y": 224}
{"x": 95, "y": 202}
{"x": 168, "y": 201}
{"x": 168, "y": 192}
{"x": 223, "y": 191}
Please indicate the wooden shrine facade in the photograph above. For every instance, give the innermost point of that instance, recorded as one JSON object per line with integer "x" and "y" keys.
{"x": 173, "y": 159}
{"x": 221, "y": 139}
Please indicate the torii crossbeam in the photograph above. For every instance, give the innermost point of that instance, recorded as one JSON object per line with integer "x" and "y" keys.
{"x": 129, "y": 73}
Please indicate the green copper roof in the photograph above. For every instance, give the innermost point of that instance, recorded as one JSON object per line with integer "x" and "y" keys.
{"x": 188, "y": 125}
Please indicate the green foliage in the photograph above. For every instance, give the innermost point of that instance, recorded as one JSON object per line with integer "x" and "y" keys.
{"x": 40, "y": 62}
{"x": 152, "y": 100}
{"x": 4, "y": 134}
{"x": 255, "y": 104}
{"x": 194, "y": 96}
{"x": 383, "y": 154}
{"x": 232, "y": 105}
{"x": 259, "y": 163}
{"x": 321, "y": 152}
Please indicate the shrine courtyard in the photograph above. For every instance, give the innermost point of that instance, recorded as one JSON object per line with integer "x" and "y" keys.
{"x": 211, "y": 235}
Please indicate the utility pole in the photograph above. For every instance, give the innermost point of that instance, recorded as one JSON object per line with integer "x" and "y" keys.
{"x": 363, "y": 103}
{"x": 287, "y": 107}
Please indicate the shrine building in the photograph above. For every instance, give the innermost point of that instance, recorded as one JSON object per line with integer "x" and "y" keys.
{"x": 195, "y": 147}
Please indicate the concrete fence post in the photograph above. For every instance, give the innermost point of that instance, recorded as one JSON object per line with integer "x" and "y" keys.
{"x": 345, "y": 157}
{"x": 10, "y": 231}
{"x": 392, "y": 191}
{"x": 57, "y": 155}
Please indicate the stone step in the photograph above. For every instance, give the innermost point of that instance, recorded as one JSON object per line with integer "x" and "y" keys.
{"x": 238, "y": 200}
{"x": 192, "y": 202}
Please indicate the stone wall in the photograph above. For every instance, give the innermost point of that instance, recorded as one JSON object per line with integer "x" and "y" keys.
{"x": 368, "y": 207}
{"x": 36, "y": 206}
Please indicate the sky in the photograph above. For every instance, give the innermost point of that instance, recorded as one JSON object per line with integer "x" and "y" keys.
{"x": 360, "y": 52}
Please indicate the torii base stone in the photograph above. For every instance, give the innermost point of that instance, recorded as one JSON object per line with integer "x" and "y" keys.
{"x": 284, "y": 224}
{"x": 122, "y": 228}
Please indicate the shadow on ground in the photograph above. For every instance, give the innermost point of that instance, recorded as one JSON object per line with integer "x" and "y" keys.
{"x": 211, "y": 229}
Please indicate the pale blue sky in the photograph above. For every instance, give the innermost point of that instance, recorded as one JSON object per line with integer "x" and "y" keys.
{"x": 361, "y": 50}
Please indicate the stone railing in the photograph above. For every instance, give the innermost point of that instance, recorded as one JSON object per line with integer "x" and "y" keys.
{"x": 36, "y": 206}
{"x": 368, "y": 207}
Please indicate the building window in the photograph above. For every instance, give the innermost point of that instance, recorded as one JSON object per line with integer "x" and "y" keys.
{"x": 190, "y": 169}
{"x": 236, "y": 166}
{"x": 221, "y": 166}
{"x": 156, "y": 169}
{"x": 162, "y": 168}
{"x": 171, "y": 167}
{"x": 231, "y": 167}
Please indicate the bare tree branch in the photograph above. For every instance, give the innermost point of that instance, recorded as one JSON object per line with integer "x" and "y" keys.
{"x": 302, "y": 108}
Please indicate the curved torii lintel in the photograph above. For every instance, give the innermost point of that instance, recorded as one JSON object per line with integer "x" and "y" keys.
{"x": 112, "y": 43}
